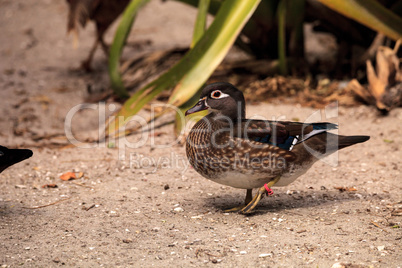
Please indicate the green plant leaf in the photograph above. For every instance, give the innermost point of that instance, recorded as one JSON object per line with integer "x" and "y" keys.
{"x": 370, "y": 13}
{"x": 187, "y": 76}
{"x": 213, "y": 47}
{"x": 200, "y": 22}
{"x": 213, "y": 6}
{"x": 116, "y": 48}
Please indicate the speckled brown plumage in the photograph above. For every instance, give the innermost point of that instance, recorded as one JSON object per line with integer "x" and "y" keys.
{"x": 212, "y": 152}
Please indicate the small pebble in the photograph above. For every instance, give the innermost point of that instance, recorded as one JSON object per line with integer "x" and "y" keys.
{"x": 178, "y": 209}
{"x": 263, "y": 255}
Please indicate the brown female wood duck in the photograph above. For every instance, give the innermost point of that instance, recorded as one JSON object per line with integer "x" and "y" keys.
{"x": 227, "y": 148}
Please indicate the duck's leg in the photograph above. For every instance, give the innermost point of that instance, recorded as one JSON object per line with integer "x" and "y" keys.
{"x": 249, "y": 196}
{"x": 261, "y": 191}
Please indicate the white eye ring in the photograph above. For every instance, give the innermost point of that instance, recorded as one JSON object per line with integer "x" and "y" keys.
{"x": 217, "y": 94}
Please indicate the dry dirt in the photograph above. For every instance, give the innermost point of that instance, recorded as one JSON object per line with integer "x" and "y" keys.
{"x": 143, "y": 206}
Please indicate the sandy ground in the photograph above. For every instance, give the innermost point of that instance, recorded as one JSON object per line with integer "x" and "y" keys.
{"x": 145, "y": 206}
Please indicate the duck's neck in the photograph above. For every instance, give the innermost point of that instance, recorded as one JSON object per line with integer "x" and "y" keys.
{"x": 222, "y": 117}
{"x": 233, "y": 115}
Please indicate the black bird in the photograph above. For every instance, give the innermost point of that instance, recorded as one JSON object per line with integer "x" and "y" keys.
{"x": 227, "y": 148}
{"x": 9, "y": 157}
{"x": 102, "y": 12}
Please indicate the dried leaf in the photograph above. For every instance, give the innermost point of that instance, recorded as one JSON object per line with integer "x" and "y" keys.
{"x": 384, "y": 81}
{"x": 376, "y": 86}
{"x": 383, "y": 67}
{"x": 355, "y": 87}
{"x": 346, "y": 189}
{"x": 68, "y": 176}
{"x": 80, "y": 175}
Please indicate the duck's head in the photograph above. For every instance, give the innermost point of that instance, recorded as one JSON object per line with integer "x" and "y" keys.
{"x": 221, "y": 99}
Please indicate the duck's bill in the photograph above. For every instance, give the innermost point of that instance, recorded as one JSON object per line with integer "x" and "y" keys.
{"x": 200, "y": 106}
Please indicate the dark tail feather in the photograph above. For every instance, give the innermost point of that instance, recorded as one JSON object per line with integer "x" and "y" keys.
{"x": 326, "y": 143}
{"x": 345, "y": 141}
{"x": 333, "y": 142}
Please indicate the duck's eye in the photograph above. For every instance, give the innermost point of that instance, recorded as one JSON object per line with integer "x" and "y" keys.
{"x": 216, "y": 94}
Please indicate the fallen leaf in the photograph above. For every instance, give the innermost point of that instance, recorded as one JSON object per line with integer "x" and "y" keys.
{"x": 52, "y": 185}
{"x": 68, "y": 176}
{"x": 346, "y": 189}
{"x": 80, "y": 175}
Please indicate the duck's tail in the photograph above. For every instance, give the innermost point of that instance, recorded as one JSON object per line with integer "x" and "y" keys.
{"x": 345, "y": 141}
{"x": 327, "y": 143}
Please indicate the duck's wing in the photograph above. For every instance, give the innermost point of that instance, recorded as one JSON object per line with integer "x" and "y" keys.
{"x": 283, "y": 134}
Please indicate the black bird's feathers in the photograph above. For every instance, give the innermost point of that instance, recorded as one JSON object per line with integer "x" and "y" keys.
{"x": 9, "y": 157}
